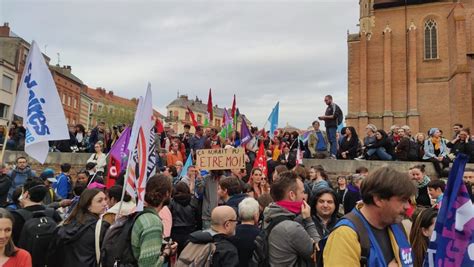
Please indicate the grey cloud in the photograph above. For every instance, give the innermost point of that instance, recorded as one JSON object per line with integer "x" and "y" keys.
{"x": 263, "y": 51}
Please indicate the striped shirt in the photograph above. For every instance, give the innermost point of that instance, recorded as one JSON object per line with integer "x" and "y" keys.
{"x": 147, "y": 239}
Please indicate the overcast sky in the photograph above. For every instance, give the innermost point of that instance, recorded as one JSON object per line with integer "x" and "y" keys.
{"x": 290, "y": 51}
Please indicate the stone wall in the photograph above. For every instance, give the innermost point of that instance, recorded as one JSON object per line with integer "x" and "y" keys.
{"x": 333, "y": 167}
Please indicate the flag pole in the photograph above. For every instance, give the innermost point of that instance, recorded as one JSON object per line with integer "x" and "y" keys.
{"x": 7, "y": 131}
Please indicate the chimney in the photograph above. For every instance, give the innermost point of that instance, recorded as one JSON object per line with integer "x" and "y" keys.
{"x": 5, "y": 30}
{"x": 111, "y": 93}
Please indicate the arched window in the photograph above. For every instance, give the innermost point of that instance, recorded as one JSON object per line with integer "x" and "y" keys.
{"x": 431, "y": 39}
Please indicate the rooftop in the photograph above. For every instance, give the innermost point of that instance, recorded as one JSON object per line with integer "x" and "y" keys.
{"x": 66, "y": 71}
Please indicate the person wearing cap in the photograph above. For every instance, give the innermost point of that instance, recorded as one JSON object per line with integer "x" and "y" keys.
{"x": 436, "y": 152}
{"x": 51, "y": 199}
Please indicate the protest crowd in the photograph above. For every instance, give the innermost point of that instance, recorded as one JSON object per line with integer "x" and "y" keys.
{"x": 271, "y": 211}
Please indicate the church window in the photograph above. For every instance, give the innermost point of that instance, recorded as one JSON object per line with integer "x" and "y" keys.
{"x": 431, "y": 39}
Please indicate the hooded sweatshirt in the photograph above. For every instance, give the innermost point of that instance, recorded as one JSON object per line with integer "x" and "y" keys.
{"x": 290, "y": 243}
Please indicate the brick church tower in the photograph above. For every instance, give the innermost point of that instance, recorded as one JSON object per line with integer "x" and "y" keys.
{"x": 411, "y": 63}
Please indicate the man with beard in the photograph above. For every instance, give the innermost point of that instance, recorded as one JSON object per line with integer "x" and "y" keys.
{"x": 19, "y": 175}
{"x": 371, "y": 234}
{"x": 147, "y": 231}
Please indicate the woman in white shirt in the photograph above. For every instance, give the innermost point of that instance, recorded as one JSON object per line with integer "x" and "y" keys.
{"x": 99, "y": 158}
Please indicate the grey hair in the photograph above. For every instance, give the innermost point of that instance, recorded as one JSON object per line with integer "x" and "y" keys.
{"x": 248, "y": 208}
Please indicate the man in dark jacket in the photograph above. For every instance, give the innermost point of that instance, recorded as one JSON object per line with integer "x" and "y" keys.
{"x": 223, "y": 223}
{"x": 19, "y": 175}
{"x": 331, "y": 117}
{"x": 245, "y": 233}
{"x": 230, "y": 191}
{"x": 34, "y": 192}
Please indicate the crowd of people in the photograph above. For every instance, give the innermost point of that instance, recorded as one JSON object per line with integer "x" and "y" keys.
{"x": 234, "y": 215}
{"x": 285, "y": 215}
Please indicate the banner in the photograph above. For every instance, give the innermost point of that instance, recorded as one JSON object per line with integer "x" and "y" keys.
{"x": 38, "y": 103}
{"x": 452, "y": 241}
{"x": 220, "y": 159}
{"x": 140, "y": 146}
{"x": 118, "y": 157}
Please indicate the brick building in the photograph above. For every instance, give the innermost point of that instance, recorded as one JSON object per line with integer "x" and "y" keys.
{"x": 411, "y": 63}
{"x": 13, "y": 53}
{"x": 69, "y": 89}
{"x": 110, "y": 108}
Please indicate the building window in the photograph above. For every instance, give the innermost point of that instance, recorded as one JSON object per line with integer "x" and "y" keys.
{"x": 199, "y": 118}
{"x": 7, "y": 83}
{"x": 69, "y": 101}
{"x": 186, "y": 116}
{"x": 217, "y": 122}
{"x": 75, "y": 102}
{"x": 3, "y": 110}
{"x": 64, "y": 99}
{"x": 431, "y": 39}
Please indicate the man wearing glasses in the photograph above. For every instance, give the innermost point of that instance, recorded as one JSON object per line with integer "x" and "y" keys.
{"x": 223, "y": 223}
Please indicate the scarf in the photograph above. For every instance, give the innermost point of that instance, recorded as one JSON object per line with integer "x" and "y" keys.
{"x": 292, "y": 206}
{"x": 423, "y": 182}
{"x": 436, "y": 142}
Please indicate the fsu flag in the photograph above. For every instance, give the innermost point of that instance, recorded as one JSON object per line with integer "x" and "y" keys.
{"x": 118, "y": 157}
{"x": 452, "y": 241}
{"x": 261, "y": 159}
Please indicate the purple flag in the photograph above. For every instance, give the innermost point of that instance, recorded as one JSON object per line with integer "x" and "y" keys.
{"x": 120, "y": 150}
{"x": 244, "y": 132}
{"x": 452, "y": 242}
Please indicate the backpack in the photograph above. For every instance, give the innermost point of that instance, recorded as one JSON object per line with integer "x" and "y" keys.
{"x": 338, "y": 112}
{"x": 116, "y": 249}
{"x": 197, "y": 255}
{"x": 260, "y": 257}
{"x": 37, "y": 233}
{"x": 362, "y": 235}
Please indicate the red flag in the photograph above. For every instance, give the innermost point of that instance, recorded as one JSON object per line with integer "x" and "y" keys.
{"x": 209, "y": 107}
{"x": 159, "y": 126}
{"x": 233, "y": 108}
{"x": 193, "y": 118}
{"x": 261, "y": 159}
{"x": 113, "y": 171}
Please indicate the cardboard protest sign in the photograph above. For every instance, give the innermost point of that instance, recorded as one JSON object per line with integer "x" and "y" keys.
{"x": 220, "y": 159}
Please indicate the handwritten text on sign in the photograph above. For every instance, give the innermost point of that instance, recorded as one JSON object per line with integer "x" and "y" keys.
{"x": 220, "y": 159}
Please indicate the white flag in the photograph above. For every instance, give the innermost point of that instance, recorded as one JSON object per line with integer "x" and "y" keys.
{"x": 38, "y": 103}
{"x": 139, "y": 147}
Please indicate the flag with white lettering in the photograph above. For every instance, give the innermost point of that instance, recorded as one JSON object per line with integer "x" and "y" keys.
{"x": 261, "y": 159}
{"x": 452, "y": 241}
{"x": 38, "y": 103}
{"x": 140, "y": 160}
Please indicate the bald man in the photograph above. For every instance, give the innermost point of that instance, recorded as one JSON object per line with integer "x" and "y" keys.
{"x": 223, "y": 223}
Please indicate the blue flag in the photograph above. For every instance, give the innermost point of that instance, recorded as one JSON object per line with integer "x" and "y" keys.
{"x": 452, "y": 242}
{"x": 188, "y": 163}
{"x": 273, "y": 119}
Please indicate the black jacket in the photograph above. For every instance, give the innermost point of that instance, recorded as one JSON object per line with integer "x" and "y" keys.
{"x": 462, "y": 147}
{"x": 79, "y": 242}
{"x": 235, "y": 200}
{"x": 226, "y": 253}
{"x": 291, "y": 160}
{"x": 243, "y": 240}
{"x": 5, "y": 184}
{"x": 184, "y": 211}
